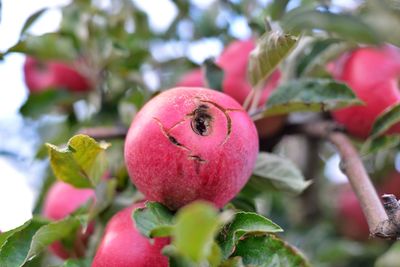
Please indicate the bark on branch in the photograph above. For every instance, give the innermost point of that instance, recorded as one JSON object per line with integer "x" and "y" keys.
{"x": 383, "y": 220}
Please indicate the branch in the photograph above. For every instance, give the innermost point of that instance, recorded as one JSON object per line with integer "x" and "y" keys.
{"x": 383, "y": 221}
{"x": 105, "y": 133}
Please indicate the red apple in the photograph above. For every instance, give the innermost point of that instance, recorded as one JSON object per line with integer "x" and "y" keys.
{"x": 372, "y": 74}
{"x": 122, "y": 244}
{"x": 43, "y": 75}
{"x": 61, "y": 200}
{"x": 191, "y": 143}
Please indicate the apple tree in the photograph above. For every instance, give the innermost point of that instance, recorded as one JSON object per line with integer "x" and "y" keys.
{"x": 157, "y": 158}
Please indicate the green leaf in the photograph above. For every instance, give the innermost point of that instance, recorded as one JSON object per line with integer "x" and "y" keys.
{"x": 15, "y": 244}
{"x": 214, "y": 74}
{"x": 215, "y": 257}
{"x": 196, "y": 226}
{"x": 269, "y": 251}
{"x": 155, "y": 220}
{"x": 81, "y": 163}
{"x": 385, "y": 120}
{"x": 51, "y": 232}
{"x": 373, "y": 145}
{"x": 45, "y": 102}
{"x": 5, "y": 235}
{"x": 280, "y": 172}
{"x": 46, "y": 46}
{"x": 31, "y": 19}
{"x": 322, "y": 52}
{"x": 26, "y": 242}
{"x": 391, "y": 258}
{"x": 175, "y": 259}
{"x": 105, "y": 192}
{"x": 244, "y": 223}
{"x": 345, "y": 26}
{"x": 271, "y": 49}
{"x": 312, "y": 95}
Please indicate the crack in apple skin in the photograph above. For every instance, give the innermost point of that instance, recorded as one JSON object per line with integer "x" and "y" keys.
{"x": 201, "y": 110}
{"x": 228, "y": 118}
{"x": 175, "y": 142}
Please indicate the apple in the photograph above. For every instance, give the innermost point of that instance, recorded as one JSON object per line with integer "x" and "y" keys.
{"x": 371, "y": 72}
{"x": 123, "y": 245}
{"x": 191, "y": 143}
{"x": 43, "y": 75}
{"x": 61, "y": 200}
{"x": 234, "y": 60}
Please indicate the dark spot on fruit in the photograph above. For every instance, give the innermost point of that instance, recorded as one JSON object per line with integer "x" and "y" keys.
{"x": 197, "y": 158}
{"x": 174, "y": 141}
{"x": 201, "y": 120}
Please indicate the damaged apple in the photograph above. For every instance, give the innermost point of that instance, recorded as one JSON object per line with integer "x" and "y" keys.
{"x": 191, "y": 143}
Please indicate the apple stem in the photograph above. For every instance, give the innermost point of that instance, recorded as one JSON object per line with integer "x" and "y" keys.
{"x": 380, "y": 224}
{"x": 247, "y": 101}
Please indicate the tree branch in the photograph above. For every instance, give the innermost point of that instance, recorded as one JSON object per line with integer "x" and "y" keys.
{"x": 380, "y": 224}
{"x": 105, "y": 133}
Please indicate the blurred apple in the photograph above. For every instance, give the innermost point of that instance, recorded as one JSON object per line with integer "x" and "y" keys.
{"x": 61, "y": 200}
{"x": 372, "y": 73}
{"x": 123, "y": 245}
{"x": 43, "y": 75}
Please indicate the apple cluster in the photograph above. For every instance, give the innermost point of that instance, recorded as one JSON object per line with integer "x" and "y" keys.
{"x": 191, "y": 142}
{"x": 187, "y": 143}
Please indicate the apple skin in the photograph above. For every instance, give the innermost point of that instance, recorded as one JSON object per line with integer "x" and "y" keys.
{"x": 191, "y": 143}
{"x": 234, "y": 61}
{"x": 43, "y": 75}
{"x": 372, "y": 74}
{"x": 123, "y": 245}
{"x": 61, "y": 200}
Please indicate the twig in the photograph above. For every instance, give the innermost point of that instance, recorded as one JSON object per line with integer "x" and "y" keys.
{"x": 105, "y": 132}
{"x": 256, "y": 98}
{"x": 380, "y": 224}
{"x": 248, "y": 99}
